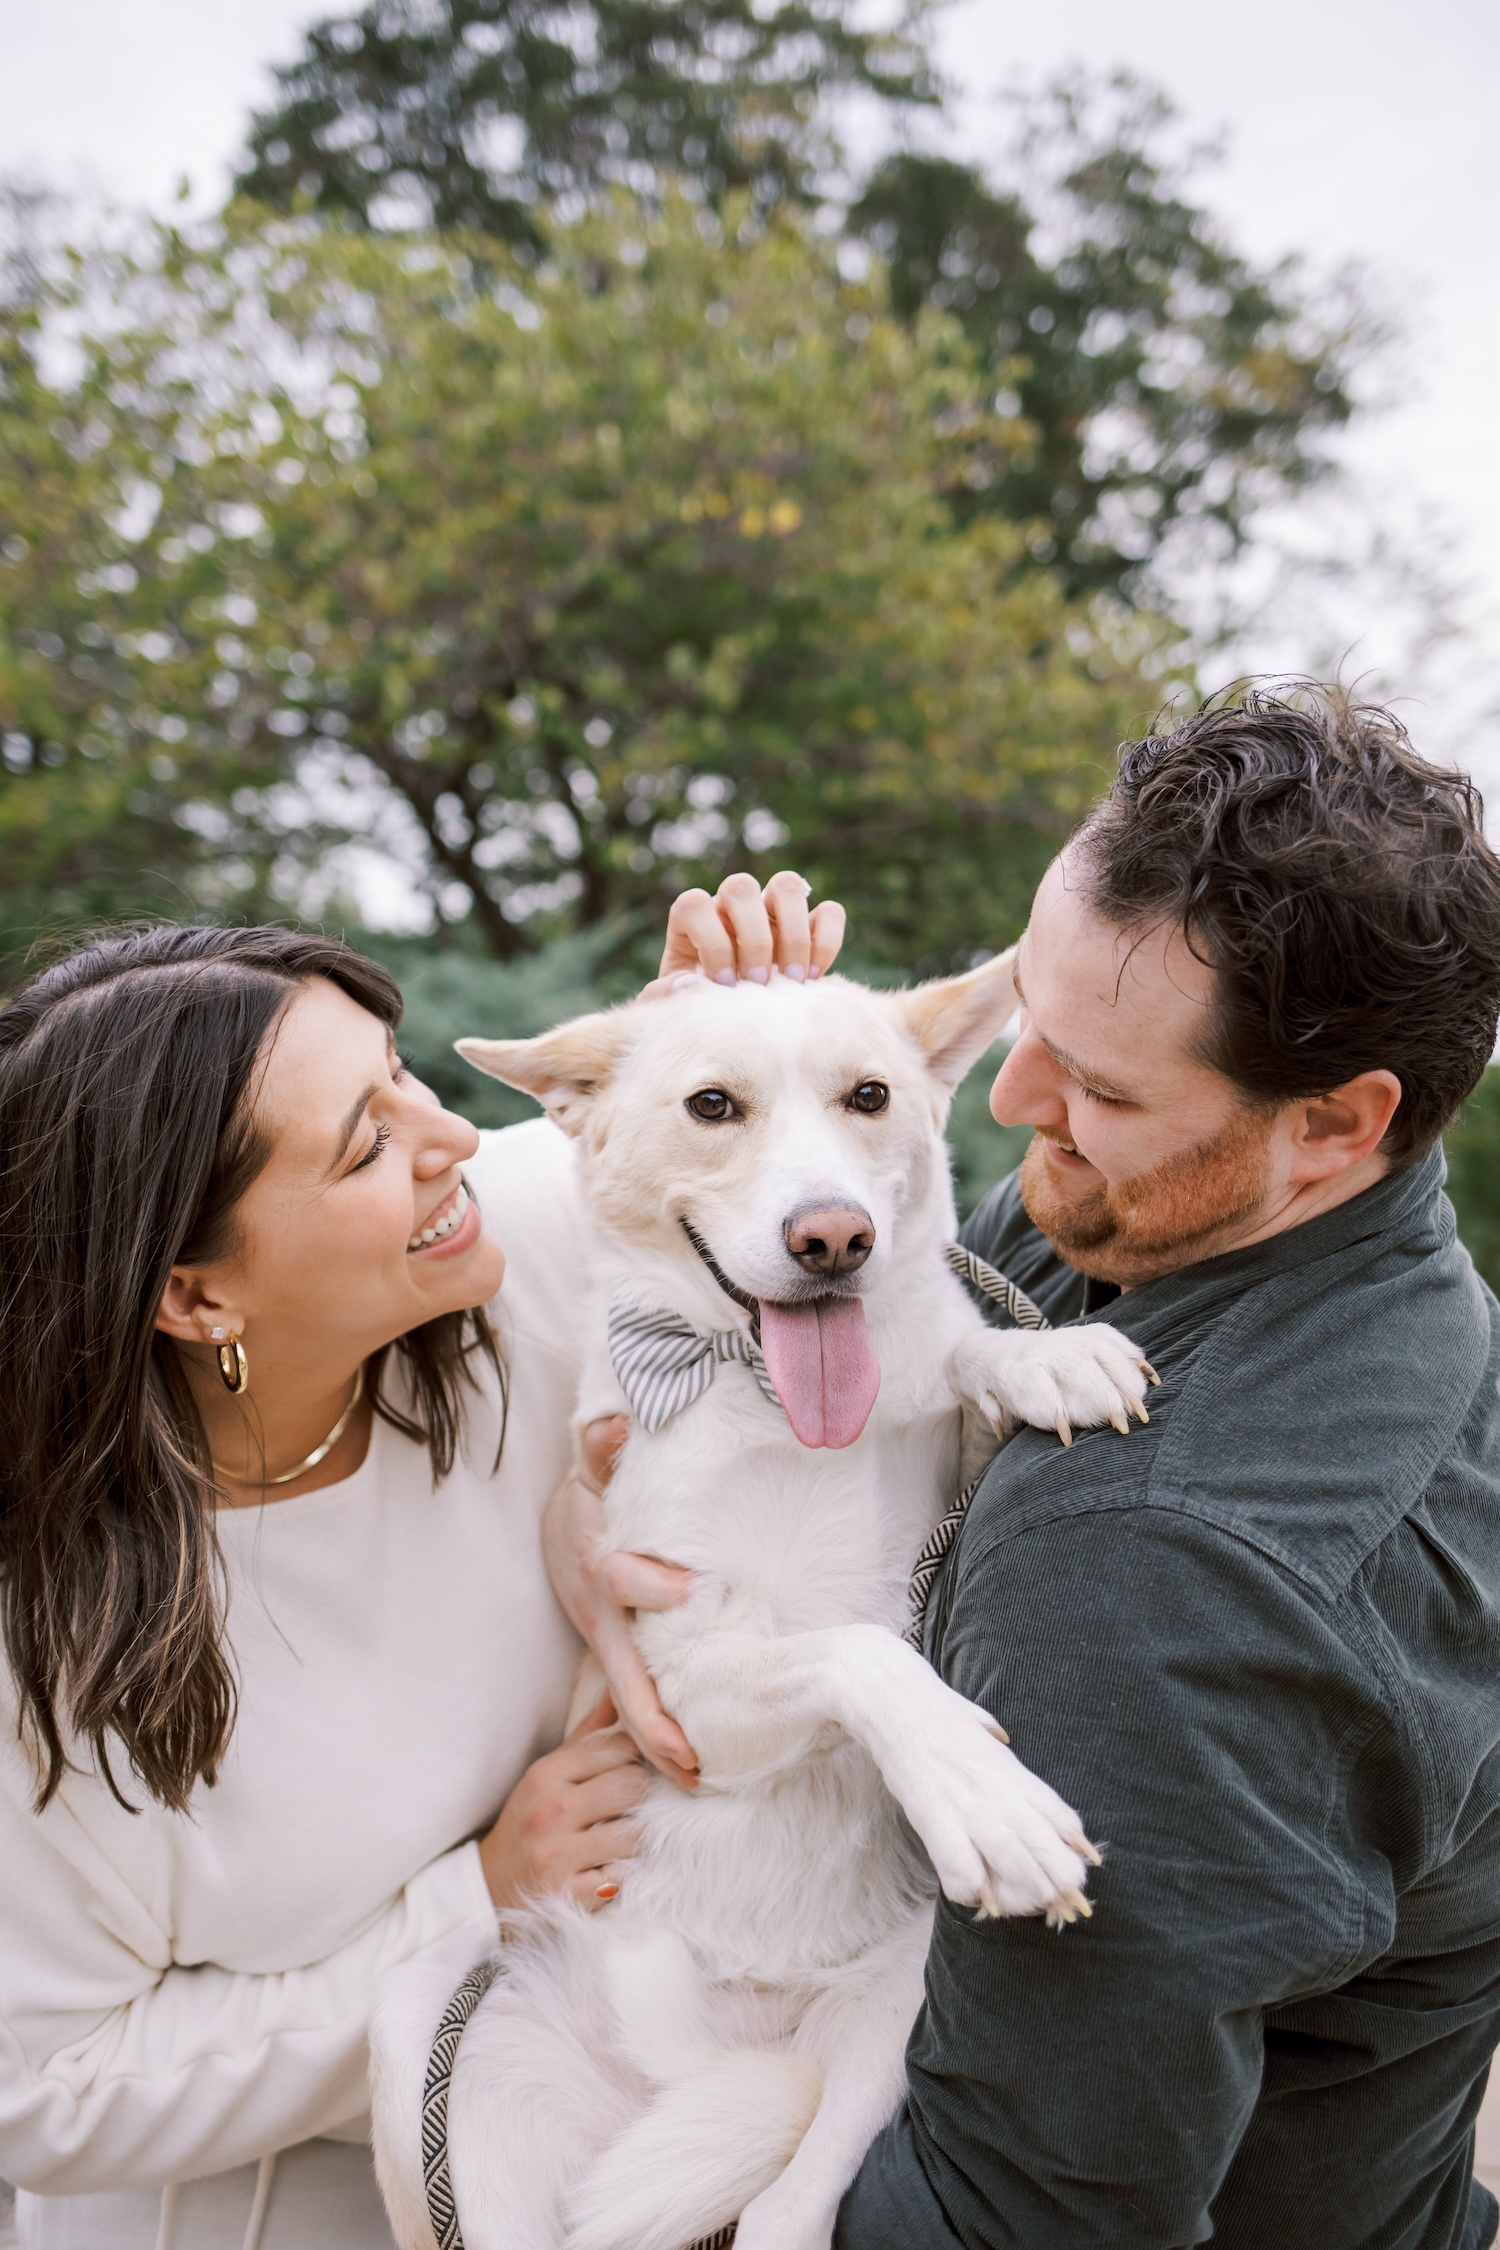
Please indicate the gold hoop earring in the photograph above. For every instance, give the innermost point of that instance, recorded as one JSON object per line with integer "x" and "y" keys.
{"x": 234, "y": 1368}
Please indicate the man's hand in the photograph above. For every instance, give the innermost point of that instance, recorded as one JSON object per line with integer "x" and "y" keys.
{"x": 599, "y": 1592}
{"x": 743, "y": 932}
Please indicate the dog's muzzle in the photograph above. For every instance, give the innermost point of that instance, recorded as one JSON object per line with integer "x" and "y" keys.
{"x": 829, "y": 1240}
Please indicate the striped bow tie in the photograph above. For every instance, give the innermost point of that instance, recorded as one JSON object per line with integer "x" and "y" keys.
{"x": 664, "y": 1362}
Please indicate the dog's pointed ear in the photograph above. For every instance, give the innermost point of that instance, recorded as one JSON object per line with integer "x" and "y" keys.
{"x": 565, "y": 1069}
{"x": 956, "y": 1018}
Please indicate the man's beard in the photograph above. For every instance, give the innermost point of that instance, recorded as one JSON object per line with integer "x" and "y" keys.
{"x": 1162, "y": 1219}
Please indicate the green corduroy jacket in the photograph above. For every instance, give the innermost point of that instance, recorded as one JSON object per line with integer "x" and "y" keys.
{"x": 1257, "y": 1644}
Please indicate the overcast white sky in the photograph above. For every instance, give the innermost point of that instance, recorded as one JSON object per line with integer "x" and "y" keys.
{"x": 1356, "y": 130}
{"x": 1360, "y": 131}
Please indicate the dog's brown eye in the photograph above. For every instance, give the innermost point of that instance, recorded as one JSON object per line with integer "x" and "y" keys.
{"x": 713, "y": 1105}
{"x": 870, "y": 1098}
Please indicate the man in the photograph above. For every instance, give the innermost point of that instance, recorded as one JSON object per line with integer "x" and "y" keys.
{"x": 1257, "y": 1644}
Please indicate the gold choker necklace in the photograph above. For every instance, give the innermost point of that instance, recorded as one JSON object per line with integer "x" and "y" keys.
{"x": 318, "y": 1453}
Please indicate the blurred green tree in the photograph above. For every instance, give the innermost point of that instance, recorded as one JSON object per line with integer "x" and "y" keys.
{"x": 116, "y": 786}
{"x": 1473, "y": 1149}
{"x": 571, "y": 585}
{"x": 475, "y": 114}
{"x": 453, "y": 993}
{"x": 1170, "y": 383}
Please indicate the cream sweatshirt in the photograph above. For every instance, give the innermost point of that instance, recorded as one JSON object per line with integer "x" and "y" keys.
{"x": 179, "y": 1995}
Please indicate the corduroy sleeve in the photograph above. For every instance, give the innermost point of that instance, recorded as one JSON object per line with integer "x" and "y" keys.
{"x": 1091, "y": 2086}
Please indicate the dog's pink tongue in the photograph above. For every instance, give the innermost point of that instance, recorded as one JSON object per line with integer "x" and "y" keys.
{"x": 823, "y": 1364}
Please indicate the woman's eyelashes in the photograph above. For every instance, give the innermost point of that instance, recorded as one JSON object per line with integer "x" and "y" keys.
{"x": 400, "y": 1069}
{"x": 382, "y": 1136}
{"x": 410, "y": 1088}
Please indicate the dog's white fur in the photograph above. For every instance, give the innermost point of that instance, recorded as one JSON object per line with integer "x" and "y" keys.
{"x": 726, "y": 2039}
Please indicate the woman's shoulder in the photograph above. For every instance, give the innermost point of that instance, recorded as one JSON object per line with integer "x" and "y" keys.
{"x": 516, "y": 1159}
{"x": 526, "y": 1180}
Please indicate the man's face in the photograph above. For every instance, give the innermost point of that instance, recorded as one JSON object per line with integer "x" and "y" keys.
{"x": 1146, "y": 1159}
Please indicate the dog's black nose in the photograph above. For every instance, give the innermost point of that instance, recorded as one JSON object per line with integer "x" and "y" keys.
{"x": 830, "y": 1239}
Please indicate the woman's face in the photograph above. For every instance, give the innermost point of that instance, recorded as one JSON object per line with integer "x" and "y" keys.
{"x": 358, "y": 1228}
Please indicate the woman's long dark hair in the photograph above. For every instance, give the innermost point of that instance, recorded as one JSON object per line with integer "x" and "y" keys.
{"x": 126, "y": 1142}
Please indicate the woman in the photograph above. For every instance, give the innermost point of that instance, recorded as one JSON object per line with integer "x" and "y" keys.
{"x": 285, "y": 1668}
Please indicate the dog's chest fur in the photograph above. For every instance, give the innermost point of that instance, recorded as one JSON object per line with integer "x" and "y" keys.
{"x": 777, "y": 1873}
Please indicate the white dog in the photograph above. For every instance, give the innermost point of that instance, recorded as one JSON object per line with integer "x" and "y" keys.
{"x": 726, "y": 2039}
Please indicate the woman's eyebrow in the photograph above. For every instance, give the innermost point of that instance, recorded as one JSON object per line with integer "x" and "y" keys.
{"x": 351, "y": 1122}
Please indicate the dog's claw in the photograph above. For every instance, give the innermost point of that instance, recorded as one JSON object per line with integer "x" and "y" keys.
{"x": 1062, "y": 1382}
{"x": 1068, "y": 1907}
{"x": 1150, "y": 1373}
{"x": 1139, "y": 1410}
{"x": 1087, "y": 1851}
{"x": 997, "y": 1730}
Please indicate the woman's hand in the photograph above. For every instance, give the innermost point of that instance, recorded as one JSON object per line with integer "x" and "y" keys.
{"x": 598, "y": 1592}
{"x": 566, "y": 1825}
{"x": 745, "y": 932}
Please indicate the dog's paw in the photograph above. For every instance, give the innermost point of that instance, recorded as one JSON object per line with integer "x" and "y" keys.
{"x": 1056, "y": 1379}
{"x": 998, "y": 1838}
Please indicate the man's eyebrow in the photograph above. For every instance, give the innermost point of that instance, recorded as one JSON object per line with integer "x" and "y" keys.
{"x": 1086, "y": 1077}
{"x": 1067, "y": 1062}
{"x": 351, "y": 1122}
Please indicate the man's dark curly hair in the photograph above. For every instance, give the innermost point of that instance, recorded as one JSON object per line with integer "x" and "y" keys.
{"x": 1340, "y": 887}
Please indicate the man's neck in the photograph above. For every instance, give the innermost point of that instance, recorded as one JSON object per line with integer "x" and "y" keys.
{"x": 1291, "y": 1207}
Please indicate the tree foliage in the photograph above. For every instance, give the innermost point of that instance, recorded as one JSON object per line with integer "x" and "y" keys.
{"x": 104, "y": 744}
{"x": 1168, "y": 380}
{"x": 1171, "y": 385}
{"x": 590, "y": 539}
{"x": 474, "y": 114}
{"x": 577, "y": 584}
{"x": 1473, "y": 1149}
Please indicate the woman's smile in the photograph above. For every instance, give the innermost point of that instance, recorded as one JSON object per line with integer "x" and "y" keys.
{"x": 453, "y": 1227}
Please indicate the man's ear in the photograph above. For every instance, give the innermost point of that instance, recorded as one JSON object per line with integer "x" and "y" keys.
{"x": 1341, "y": 1128}
{"x": 955, "y": 1019}
{"x": 565, "y": 1069}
